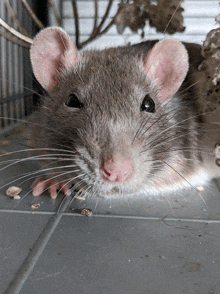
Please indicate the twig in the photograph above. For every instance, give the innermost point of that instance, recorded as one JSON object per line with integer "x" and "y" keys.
{"x": 33, "y": 15}
{"x": 76, "y": 19}
{"x": 97, "y": 32}
{"x": 92, "y": 37}
{"x": 95, "y": 16}
{"x": 15, "y": 19}
{"x": 14, "y": 40}
{"x": 105, "y": 15}
{"x": 107, "y": 27}
{"x": 15, "y": 33}
{"x": 56, "y": 14}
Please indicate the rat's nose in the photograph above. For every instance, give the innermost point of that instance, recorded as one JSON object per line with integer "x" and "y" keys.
{"x": 117, "y": 169}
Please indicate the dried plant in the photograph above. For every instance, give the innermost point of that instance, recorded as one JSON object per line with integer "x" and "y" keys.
{"x": 209, "y": 70}
{"x": 164, "y": 15}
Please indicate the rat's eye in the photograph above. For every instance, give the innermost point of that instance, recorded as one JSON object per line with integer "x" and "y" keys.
{"x": 148, "y": 104}
{"x": 74, "y": 102}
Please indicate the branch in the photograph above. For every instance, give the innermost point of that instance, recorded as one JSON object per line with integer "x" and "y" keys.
{"x": 97, "y": 32}
{"x": 15, "y": 19}
{"x": 92, "y": 37}
{"x": 14, "y": 40}
{"x": 56, "y": 14}
{"x": 95, "y": 16}
{"x": 15, "y": 33}
{"x": 33, "y": 15}
{"x": 105, "y": 15}
{"x": 107, "y": 27}
{"x": 76, "y": 18}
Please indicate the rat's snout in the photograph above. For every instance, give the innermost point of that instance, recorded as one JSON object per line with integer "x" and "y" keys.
{"x": 117, "y": 169}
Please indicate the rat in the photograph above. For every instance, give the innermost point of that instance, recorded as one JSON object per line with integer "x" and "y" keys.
{"x": 118, "y": 121}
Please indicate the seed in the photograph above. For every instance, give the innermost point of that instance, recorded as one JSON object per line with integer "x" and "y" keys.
{"x": 13, "y": 190}
{"x": 17, "y": 197}
{"x": 35, "y": 206}
{"x": 200, "y": 189}
{"x": 86, "y": 211}
{"x": 79, "y": 197}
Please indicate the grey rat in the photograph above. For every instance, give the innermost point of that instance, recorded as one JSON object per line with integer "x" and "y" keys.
{"x": 115, "y": 121}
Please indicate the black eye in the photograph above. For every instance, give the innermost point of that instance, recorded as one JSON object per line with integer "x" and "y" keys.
{"x": 148, "y": 104}
{"x": 74, "y": 102}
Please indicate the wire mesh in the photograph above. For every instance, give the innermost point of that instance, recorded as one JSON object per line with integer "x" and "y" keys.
{"x": 16, "y": 80}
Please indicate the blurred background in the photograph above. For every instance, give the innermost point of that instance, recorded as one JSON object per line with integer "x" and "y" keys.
{"x": 91, "y": 24}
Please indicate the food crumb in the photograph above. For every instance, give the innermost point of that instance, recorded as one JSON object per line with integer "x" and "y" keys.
{"x": 13, "y": 191}
{"x": 200, "y": 188}
{"x": 35, "y": 206}
{"x": 79, "y": 197}
{"x": 86, "y": 211}
{"x": 17, "y": 197}
{"x": 217, "y": 150}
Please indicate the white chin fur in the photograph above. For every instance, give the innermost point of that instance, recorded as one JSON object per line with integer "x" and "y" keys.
{"x": 200, "y": 178}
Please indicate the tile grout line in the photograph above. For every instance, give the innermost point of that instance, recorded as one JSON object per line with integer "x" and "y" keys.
{"x": 30, "y": 261}
{"x": 28, "y": 211}
{"x": 154, "y": 218}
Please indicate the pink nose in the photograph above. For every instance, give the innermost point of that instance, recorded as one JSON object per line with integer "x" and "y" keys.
{"x": 117, "y": 170}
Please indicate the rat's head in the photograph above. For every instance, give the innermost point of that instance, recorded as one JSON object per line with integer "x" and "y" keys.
{"x": 110, "y": 109}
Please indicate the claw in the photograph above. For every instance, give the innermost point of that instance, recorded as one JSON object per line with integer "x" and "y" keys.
{"x": 42, "y": 184}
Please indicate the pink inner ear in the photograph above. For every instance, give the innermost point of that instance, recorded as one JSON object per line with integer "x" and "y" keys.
{"x": 51, "y": 51}
{"x": 166, "y": 65}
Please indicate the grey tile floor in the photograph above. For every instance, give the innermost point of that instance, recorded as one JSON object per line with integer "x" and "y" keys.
{"x": 163, "y": 245}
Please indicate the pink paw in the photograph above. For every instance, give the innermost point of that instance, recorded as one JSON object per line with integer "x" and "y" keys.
{"x": 42, "y": 184}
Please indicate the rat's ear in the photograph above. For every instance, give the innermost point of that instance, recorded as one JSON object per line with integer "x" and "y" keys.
{"x": 166, "y": 65}
{"x": 51, "y": 51}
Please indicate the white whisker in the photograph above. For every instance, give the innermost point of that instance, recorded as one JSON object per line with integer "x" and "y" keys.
{"x": 37, "y": 149}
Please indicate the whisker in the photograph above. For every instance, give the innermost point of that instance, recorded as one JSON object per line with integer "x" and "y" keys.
{"x": 172, "y": 17}
{"x": 32, "y": 190}
{"x": 32, "y": 123}
{"x": 78, "y": 192}
{"x": 33, "y": 174}
{"x": 34, "y": 158}
{"x": 85, "y": 191}
{"x": 138, "y": 131}
{"x": 38, "y": 149}
{"x": 44, "y": 141}
{"x": 169, "y": 139}
{"x": 40, "y": 157}
{"x": 187, "y": 88}
{"x": 160, "y": 118}
{"x": 79, "y": 183}
{"x": 172, "y": 126}
{"x": 183, "y": 149}
{"x": 63, "y": 174}
{"x": 185, "y": 181}
{"x": 22, "y": 87}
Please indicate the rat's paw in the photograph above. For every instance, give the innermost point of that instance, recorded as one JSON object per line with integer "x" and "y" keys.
{"x": 42, "y": 184}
